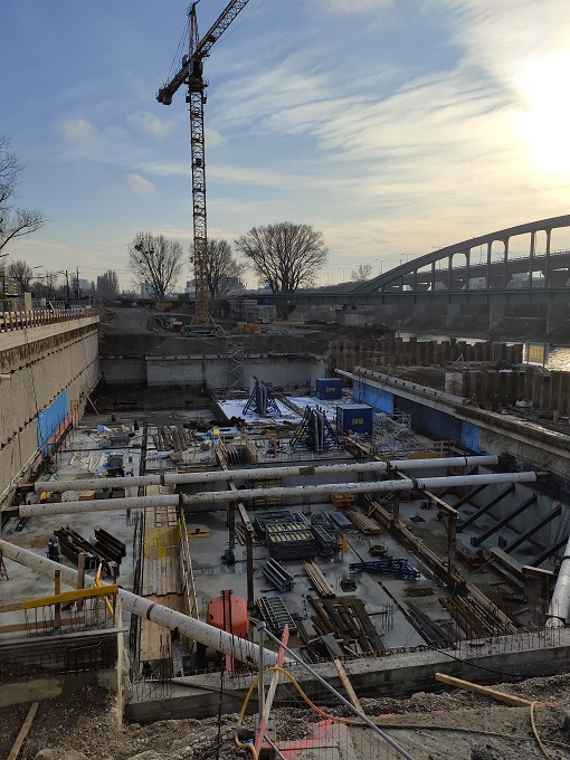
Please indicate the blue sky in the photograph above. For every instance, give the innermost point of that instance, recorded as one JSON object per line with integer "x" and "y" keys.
{"x": 395, "y": 127}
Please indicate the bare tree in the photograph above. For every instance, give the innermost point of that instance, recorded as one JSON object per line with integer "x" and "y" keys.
{"x": 10, "y": 170}
{"x": 156, "y": 262}
{"x": 285, "y": 256}
{"x": 14, "y": 222}
{"x": 21, "y": 275}
{"x": 107, "y": 285}
{"x": 362, "y": 273}
{"x": 46, "y": 285}
{"x": 224, "y": 272}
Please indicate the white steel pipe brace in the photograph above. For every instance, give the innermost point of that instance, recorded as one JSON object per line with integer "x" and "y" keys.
{"x": 241, "y": 649}
{"x": 559, "y": 607}
{"x": 261, "y": 473}
{"x": 212, "y": 498}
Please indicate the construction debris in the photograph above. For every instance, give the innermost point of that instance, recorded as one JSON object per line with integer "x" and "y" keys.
{"x": 347, "y": 620}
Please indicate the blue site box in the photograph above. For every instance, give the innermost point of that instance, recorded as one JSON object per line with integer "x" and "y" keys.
{"x": 355, "y": 418}
{"x": 329, "y": 387}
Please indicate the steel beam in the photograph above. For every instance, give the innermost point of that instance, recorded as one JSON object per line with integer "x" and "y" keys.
{"x": 465, "y": 499}
{"x": 531, "y": 531}
{"x": 486, "y": 508}
{"x": 505, "y": 521}
{"x": 451, "y": 545}
{"x": 249, "y": 531}
{"x": 549, "y": 552}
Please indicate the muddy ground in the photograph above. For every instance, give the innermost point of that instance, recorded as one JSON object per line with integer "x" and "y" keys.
{"x": 455, "y": 724}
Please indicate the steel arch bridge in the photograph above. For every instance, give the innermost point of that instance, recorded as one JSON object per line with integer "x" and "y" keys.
{"x": 438, "y": 270}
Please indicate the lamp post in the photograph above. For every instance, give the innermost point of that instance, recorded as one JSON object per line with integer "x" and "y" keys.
{"x": 3, "y": 273}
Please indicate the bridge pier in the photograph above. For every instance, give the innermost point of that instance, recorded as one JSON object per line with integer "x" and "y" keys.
{"x": 496, "y": 313}
{"x": 454, "y": 311}
{"x": 556, "y": 317}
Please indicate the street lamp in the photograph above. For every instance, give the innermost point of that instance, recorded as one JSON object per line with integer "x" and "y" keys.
{"x": 3, "y": 273}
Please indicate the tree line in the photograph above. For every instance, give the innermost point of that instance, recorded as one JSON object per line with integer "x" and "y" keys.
{"x": 283, "y": 256}
{"x": 19, "y": 278}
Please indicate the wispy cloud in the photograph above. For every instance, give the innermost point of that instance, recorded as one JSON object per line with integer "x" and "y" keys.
{"x": 439, "y": 156}
{"x": 393, "y": 127}
{"x": 150, "y": 124}
{"x": 77, "y": 131}
{"x": 354, "y": 6}
{"x": 139, "y": 184}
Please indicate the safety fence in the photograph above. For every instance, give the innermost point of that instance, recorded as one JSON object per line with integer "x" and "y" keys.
{"x": 22, "y": 320}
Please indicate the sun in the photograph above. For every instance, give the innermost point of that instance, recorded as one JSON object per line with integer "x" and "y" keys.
{"x": 544, "y": 120}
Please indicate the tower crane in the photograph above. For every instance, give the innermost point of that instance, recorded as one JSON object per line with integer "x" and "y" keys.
{"x": 191, "y": 73}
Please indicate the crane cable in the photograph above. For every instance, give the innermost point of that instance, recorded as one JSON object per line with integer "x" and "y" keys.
{"x": 177, "y": 57}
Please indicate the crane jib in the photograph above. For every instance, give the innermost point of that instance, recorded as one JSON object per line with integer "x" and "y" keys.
{"x": 228, "y": 15}
{"x": 222, "y": 23}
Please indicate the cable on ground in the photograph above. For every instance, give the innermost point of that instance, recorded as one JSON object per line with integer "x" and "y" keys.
{"x": 290, "y": 677}
{"x": 535, "y": 731}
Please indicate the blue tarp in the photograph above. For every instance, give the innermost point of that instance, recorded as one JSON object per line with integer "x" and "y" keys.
{"x": 427, "y": 421}
{"x": 50, "y": 418}
{"x": 470, "y": 437}
{"x": 382, "y": 401}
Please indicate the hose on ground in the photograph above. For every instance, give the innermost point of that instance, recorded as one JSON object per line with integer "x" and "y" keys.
{"x": 323, "y": 713}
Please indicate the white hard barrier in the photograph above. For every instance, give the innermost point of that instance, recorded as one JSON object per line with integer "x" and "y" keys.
{"x": 211, "y": 499}
{"x": 261, "y": 473}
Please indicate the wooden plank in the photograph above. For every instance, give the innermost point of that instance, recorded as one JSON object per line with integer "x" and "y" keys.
{"x": 275, "y": 680}
{"x": 23, "y": 732}
{"x": 441, "y": 503}
{"x": 485, "y": 691}
{"x": 155, "y": 639}
{"x": 348, "y": 687}
{"x": 248, "y": 525}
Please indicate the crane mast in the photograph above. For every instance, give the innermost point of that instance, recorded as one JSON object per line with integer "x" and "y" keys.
{"x": 191, "y": 73}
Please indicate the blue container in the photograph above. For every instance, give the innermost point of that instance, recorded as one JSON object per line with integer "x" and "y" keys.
{"x": 354, "y": 418}
{"x": 329, "y": 388}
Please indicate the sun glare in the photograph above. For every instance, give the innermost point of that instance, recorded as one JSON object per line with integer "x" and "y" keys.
{"x": 545, "y": 117}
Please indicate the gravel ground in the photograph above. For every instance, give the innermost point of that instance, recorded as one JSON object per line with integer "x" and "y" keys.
{"x": 430, "y": 726}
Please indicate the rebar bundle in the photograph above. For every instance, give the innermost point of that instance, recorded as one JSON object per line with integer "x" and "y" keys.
{"x": 314, "y": 431}
{"x": 261, "y": 400}
{"x": 397, "y": 568}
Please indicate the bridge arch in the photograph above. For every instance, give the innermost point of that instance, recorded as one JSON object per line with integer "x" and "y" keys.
{"x": 439, "y": 268}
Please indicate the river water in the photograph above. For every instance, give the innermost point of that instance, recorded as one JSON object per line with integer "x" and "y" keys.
{"x": 557, "y": 357}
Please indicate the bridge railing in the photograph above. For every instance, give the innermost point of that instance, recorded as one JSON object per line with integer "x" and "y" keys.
{"x": 22, "y": 320}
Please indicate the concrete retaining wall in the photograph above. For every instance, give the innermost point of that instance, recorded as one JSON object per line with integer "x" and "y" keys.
{"x": 36, "y": 369}
{"x": 441, "y": 415}
{"x": 396, "y": 675}
{"x": 548, "y": 535}
{"x": 215, "y": 372}
{"x": 123, "y": 371}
